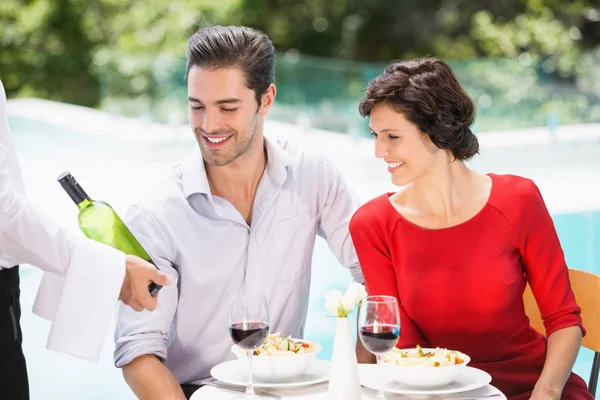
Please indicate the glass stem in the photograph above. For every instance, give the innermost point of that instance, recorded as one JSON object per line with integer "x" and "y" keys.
{"x": 250, "y": 385}
{"x": 380, "y": 395}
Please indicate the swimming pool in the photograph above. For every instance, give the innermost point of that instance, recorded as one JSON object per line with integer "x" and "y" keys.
{"x": 116, "y": 168}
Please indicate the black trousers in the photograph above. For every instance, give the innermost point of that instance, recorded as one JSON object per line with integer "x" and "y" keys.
{"x": 14, "y": 384}
{"x": 189, "y": 389}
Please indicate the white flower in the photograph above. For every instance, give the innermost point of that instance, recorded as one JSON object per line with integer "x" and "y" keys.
{"x": 333, "y": 301}
{"x": 341, "y": 305}
{"x": 355, "y": 293}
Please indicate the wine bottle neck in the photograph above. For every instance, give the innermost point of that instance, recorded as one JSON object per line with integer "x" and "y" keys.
{"x": 84, "y": 204}
{"x": 74, "y": 190}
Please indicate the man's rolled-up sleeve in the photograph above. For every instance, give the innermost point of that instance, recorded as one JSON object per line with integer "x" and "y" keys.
{"x": 140, "y": 333}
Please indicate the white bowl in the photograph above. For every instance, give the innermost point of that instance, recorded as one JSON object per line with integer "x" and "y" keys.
{"x": 424, "y": 376}
{"x": 279, "y": 368}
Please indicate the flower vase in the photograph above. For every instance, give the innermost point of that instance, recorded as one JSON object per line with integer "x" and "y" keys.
{"x": 343, "y": 381}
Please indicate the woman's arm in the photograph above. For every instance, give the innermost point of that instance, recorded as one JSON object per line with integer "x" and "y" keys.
{"x": 563, "y": 347}
{"x": 548, "y": 276}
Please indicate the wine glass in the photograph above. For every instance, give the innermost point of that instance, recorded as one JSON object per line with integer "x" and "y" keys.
{"x": 379, "y": 328}
{"x": 248, "y": 327}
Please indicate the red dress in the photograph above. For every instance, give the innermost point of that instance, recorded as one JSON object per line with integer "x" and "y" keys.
{"x": 462, "y": 287}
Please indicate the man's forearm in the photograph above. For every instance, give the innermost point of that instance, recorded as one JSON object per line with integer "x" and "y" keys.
{"x": 149, "y": 379}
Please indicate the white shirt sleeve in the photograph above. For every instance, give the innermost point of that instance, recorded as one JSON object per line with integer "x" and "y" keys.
{"x": 83, "y": 278}
{"x": 26, "y": 234}
{"x": 339, "y": 204}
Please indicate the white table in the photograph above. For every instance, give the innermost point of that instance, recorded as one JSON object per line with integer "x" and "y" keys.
{"x": 319, "y": 392}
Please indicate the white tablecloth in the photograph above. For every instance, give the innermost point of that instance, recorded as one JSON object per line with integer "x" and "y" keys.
{"x": 319, "y": 392}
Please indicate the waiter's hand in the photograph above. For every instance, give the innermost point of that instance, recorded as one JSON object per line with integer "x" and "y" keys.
{"x": 138, "y": 274}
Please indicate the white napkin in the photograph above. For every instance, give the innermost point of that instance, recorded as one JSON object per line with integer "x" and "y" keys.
{"x": 81, "y": 305}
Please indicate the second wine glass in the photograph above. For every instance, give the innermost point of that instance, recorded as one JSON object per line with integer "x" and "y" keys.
{"x": 248, "y": 327}
{"x": 379, "y": 328}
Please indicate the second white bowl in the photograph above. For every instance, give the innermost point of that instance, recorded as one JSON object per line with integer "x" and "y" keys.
{"x": 279, "y": 368}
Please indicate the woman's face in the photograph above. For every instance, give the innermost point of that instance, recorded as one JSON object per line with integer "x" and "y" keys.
{"x": 408, "y": 152}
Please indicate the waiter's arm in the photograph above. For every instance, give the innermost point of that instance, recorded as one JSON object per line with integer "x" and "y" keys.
{"x": 27, "y": 234}
{"x": 84, "y": 278}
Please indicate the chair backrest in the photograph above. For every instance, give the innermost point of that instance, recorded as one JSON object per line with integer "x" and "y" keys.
{"x": 586, "y": 287}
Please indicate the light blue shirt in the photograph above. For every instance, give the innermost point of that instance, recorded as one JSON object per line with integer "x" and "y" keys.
{"x": 212, "y": 254}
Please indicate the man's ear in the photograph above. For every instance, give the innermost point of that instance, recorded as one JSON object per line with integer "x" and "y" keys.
{"x": 267, "y": 100}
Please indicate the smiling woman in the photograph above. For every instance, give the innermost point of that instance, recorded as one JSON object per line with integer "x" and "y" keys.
{"x": 440, "y": 108}
{"x": 443, "y": 211}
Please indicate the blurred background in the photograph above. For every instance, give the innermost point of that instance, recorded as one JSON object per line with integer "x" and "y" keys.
{"x": 525, "y": 62}
{"x": 96, "y": 87}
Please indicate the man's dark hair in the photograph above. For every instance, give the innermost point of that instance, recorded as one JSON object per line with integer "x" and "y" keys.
{"x": 234, "y": 46}
{"x": 428, "y": 94}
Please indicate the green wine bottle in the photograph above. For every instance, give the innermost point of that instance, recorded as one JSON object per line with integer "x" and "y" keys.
{"x": 100, "y": 222}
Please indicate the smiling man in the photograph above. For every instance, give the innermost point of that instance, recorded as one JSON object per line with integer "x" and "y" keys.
{"x": 241, "y": 214}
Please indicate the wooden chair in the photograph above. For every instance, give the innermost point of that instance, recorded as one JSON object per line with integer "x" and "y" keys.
{"x": 586, "y": 287}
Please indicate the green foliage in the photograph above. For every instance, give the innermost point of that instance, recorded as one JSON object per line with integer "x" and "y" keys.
{"x": 535, "y": 31}
{"x": 380, "y": 30}
{"x": 521, "y": 59}
{"x": 56, "y": 49}
{"x": 45, "y": 52}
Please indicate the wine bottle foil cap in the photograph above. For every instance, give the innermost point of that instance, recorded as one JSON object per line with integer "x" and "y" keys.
{"x": 73, "y": 189}
{"x": 67, "y": 180}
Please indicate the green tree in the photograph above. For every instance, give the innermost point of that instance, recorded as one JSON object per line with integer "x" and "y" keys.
{"x": 380, "y": 30}
{"x": 82, "y": 51}
{"x": 55, "y": 49}
{"x": 45, "y": 52}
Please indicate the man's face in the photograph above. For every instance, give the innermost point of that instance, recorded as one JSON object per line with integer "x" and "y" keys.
{"x": 224, "y": 114}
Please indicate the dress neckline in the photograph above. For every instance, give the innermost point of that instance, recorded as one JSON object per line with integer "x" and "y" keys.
{"x": 459, "y": 225}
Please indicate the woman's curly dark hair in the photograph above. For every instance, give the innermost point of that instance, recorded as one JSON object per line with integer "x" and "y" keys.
{"x": 428, "y": 94}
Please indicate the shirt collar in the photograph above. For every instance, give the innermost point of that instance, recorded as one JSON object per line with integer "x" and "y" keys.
{"x": 194, "y": 173}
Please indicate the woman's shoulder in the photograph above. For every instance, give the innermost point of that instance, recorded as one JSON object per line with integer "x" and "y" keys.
{"x": 373, "y": 213}
{"x": 374, "y": 207}
{"x": 514, "y": 196}
{"x": 513, "y": 187}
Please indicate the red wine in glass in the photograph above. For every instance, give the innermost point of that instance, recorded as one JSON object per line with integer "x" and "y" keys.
{"x": 379, "y": 329}
{"x": 248, "y": 328}
{"x": 379, "y": 339}
{"x": 249, "y": 335}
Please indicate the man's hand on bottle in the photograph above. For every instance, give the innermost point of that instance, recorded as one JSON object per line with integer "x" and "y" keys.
{"x": 134, "y": 292}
